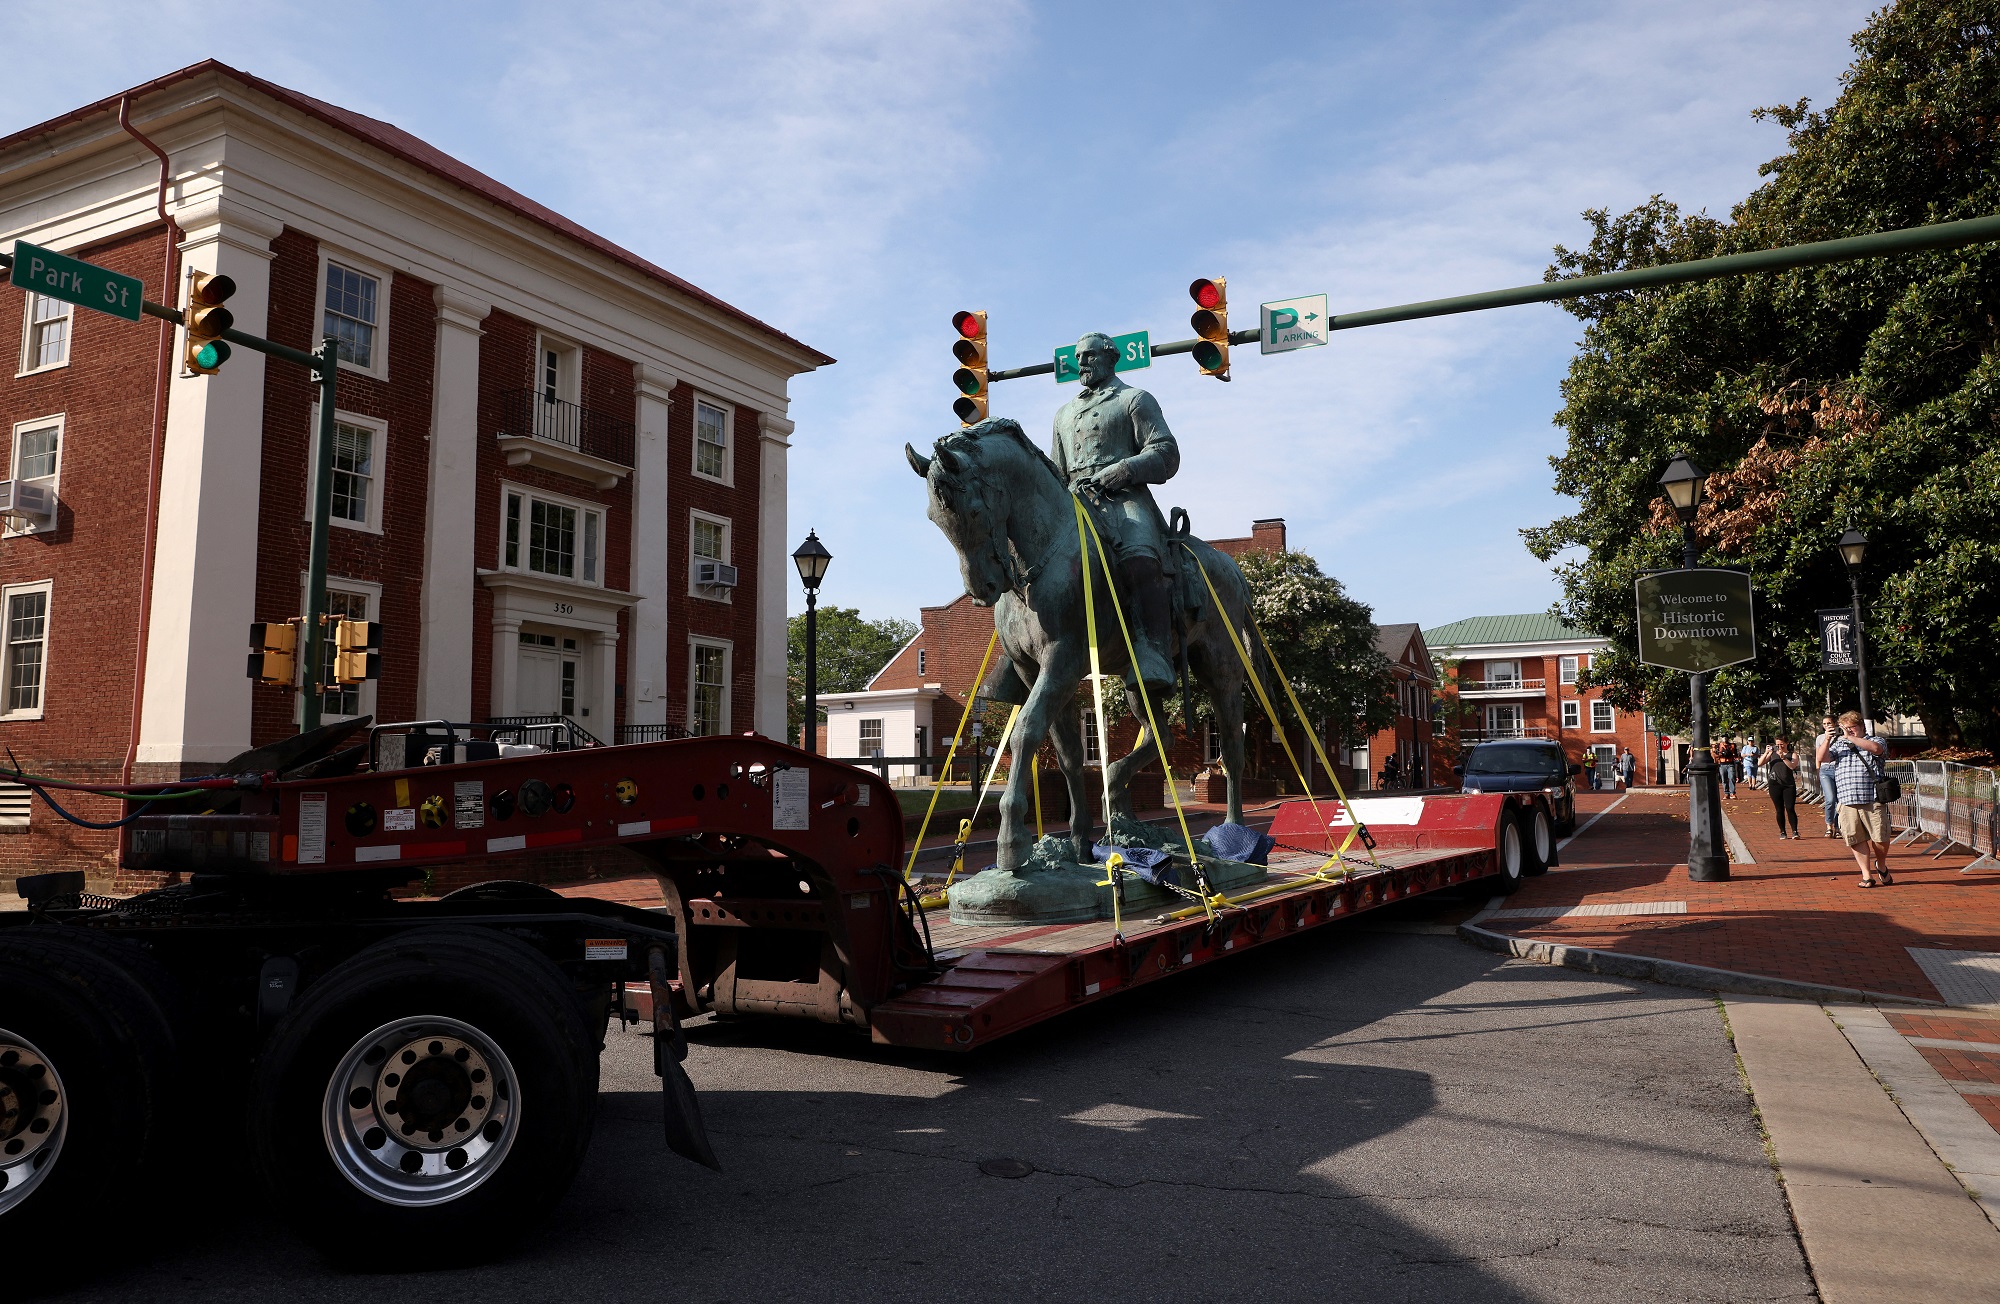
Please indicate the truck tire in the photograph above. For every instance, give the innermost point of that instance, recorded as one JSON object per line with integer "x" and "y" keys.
{"x": 89, "y": 1062}
{"x": 1539, "y": 839}
{"x": 1510, "y": 853}
{"x": 426, "y": 1102}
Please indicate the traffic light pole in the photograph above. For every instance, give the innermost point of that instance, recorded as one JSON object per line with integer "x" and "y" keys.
{"x": 1939, "y": 235}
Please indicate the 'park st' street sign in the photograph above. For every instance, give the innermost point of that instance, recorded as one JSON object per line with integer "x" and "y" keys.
{"x": 1134, "y": 351}
{"x": 1289, "y": 324}
{"x": 74, "y": 281}
{"x": 1695, "y": 620}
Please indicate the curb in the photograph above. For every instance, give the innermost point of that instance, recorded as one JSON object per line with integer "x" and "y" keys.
{"x": 1673, "y": 973}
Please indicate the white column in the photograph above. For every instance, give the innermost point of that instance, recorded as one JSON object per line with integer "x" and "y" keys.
{"x": 444, "y": 659}
{"x": 774, "y": 573}
{"x": 506, "y": 691}
{"x": 646, "y": 671}
{"x": 197, "y": 705}
{"x": 604, "y": 715}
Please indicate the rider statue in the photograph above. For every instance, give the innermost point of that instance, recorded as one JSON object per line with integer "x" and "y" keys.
{"x": 1110, "y": 443}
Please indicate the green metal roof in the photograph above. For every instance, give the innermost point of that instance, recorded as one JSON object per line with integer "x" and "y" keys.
{"x": 1535, "y": 627}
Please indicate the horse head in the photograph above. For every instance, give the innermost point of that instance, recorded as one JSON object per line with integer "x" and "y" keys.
{"x": 969, "y": 502}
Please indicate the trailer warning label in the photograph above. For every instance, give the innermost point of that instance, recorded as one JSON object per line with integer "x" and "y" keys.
{"x": 312, "y": 828}
{"x": 468, "y": 804}
{"x": 791, "y": 807}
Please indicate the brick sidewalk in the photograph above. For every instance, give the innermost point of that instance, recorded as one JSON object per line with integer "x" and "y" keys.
{"x": 1794, "y": 914}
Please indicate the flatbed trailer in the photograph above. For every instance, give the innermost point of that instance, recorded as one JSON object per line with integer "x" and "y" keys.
{"x": 414, "y": 1080}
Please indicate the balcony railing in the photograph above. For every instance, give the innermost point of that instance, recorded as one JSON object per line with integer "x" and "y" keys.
{"x": 1468, "y": 687}
{"x": 651, "y": 733}
{"x": 1515, "y": 731}
{"x": 569, "y": 425}
{"x": 558, "y": 733}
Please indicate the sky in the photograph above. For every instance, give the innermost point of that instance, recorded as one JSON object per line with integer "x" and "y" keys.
{"x": 855, "y": 172}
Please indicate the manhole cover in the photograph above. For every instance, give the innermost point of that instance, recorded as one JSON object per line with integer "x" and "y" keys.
{"x": 1006, "y": 1167}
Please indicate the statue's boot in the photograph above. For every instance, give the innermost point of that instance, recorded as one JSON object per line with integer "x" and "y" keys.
{"x": 1152, "y": 633}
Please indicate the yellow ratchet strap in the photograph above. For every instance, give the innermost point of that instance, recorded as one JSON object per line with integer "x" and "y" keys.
{"x": 1160, "y": 740}
{"x": 965, "y": 826}
{"x": 1035, "y": 778}
{"x": 956, "y": 738}
{"x": 1353, "y": 816}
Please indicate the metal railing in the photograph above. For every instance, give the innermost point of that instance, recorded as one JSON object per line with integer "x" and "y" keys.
{"x": 1502, "y": 686}
{"x": 599, "y": 434}
{"x": 651, "y": 733}
{"x": 1517, "y": 731}
{"x": 558, "y": 733}
{"x": 1951, "y": 804}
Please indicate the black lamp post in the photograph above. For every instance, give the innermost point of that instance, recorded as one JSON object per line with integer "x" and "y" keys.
{"x": 812, "y": 559}
{"x": 1853, "y": 548}
{"x": 1707, "y": 863}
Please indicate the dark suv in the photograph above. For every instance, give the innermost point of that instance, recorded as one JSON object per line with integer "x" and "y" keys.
{"x": 1525, "y": 765}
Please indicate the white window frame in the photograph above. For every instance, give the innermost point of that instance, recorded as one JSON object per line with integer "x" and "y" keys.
{"x": 378, "y": 355}
{"x": 569, "y": 377}
{"x": 365, "y": 697}
{"x": 710, "y": 592}
{"x": 68, "y": 318}
{"x": 1492, "y": 677}
{"x": 728, "y": 671}
{"x": 1610, "y": 714}
{"x": 8, "y": 592}
{"x": 378, "y": 450}
{"x": 60, "y": 421}
{"x": 583, "y": 508}
{"x": 728, "y": 410}
{"x": 921, "y": 671}
{"x": 861, "y": 736}
{"x": 1093, "y": 739}
{"x": 1567, "y": 668}
{"x": 1572, "y": 713}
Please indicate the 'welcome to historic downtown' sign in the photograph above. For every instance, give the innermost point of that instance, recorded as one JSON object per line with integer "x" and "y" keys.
{"x": 1695, "y": 620}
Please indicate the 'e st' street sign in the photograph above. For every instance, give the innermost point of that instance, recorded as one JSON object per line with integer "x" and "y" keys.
{"x": 1288, "y": 324}
{"x": 1134, "y": 351}
{"x": 72, "y": 280}
{"x": 1695, "y": 620}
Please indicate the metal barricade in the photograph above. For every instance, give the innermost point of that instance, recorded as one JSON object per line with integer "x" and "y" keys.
{"x": 1951, "y": 805}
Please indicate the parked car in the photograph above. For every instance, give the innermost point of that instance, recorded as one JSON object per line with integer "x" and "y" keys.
{"x": 1525, "y": 765}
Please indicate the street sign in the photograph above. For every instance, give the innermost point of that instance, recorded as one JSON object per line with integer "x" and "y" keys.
{"x": 1134, "y": 351}
{"x": 74, "y": 281}
{"x": 1289, "y": 324}
{"x": 1695, "y": 620}
{"x": 1836, "y": 638}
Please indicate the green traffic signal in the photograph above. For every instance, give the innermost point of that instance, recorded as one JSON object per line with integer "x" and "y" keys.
{"x": 211, "y": 355}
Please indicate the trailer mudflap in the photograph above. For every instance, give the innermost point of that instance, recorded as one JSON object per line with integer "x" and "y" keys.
{"x": 687, "y": 1136}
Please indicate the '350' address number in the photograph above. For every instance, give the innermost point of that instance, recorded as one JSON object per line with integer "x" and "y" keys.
{"x": 564, "y": 609}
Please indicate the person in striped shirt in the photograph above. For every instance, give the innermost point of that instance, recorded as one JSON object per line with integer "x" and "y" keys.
{"x": 1864, "y": 821}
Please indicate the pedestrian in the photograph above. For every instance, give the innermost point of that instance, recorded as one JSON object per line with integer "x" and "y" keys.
{"x": 1864, "y": 821}
{"x": 1725, "y": 755}
{"x": 1829, "y": 798}
{"x": 1752, "y": 754}
{"x": 1781, "y": 783}
{"x": 1628, "y": 764}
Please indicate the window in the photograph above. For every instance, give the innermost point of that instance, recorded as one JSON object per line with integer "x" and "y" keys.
{"x": 920, "y": 663}
{"x": 1503, "y": 674}
{"x": 1504, "y": 722}
{"x": 708, "y": 541}
{"x": 711, "y": 440}
{"x": 557, "y": 382}
{"x": 1601, "y": 718}
{"x": 351, "y": 314}
{"x": 1093, "y": 752}
{"x": 47, "y": 343}
{"x": 871, "y": 738}
{"x": 25, "y": 653}
{"x": 15, "y": 808}
{"x": 1567, "y": 670}
{"x": 358, "y": 446}
{"x": 1211, "y": 743}
{"x": 550, "y": 537}
{"x": 1572, "y": 715}
{"x": 37, "y": 457}
{"x": 342, "y": 604}
{"x": 708, "y": 688}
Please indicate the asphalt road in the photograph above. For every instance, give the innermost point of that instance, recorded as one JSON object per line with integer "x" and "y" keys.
{"x": 1354, "y": 1114}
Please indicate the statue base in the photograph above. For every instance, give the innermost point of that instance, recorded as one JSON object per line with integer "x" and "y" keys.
{"x": 1053, "y": 889}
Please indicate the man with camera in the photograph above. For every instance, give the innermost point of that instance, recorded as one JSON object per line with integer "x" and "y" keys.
{"x": 1857, "y": 769}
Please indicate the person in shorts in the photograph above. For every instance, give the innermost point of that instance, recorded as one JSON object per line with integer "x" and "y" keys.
{"x": 1864, "y": 821}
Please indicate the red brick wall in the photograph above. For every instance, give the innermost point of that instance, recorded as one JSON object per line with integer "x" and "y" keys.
{"x": 394, "y": 558}
{"x": 93, "y": 556}
{"x": 1544, "y": 712}
{"x": 735, "y": 620}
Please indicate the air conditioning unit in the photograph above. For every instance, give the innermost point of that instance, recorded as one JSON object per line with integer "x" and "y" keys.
{"x": 28, "y": 504}
{"x": 715, "y": 574}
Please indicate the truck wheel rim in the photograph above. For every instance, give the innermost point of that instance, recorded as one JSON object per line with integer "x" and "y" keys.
{"x": 421, "y": 1111}
{"x": 1510, "y": 850}
{"x": 1544, "y": 837}
{"x": 34, "y": 1118}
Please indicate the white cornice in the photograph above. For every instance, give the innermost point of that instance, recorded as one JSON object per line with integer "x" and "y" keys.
{"x": 654, "y": 382}
{"x": 1509, "y": 651}
{"x": 775, "y": 429}
{"x": 457, "y": 308}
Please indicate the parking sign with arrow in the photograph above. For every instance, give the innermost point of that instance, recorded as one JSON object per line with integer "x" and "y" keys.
{"x": 1289, "y": 324}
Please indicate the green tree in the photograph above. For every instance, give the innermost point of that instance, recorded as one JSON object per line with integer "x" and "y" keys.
{"x": 1324, "y": 640}
{"x": 851, "y": 652}
{"x": 1860, "y": 394}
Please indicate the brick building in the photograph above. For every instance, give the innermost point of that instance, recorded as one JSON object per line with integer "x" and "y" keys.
{"x": 1516, "y": 677}
{"x": 1408, "y": 737}
{"x": 560, "y": 470}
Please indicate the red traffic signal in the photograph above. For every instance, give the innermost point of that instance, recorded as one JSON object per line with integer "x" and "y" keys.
{"x": 970, "y": 378}
{"x": 1211, "y": 324}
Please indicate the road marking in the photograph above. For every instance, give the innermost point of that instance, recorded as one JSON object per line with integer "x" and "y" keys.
{"x": 1947, "y": 1043}
{"x": 1592, "y": 820}
{"x": 1970, "y": 978}
{"x": 1606, "y": 908}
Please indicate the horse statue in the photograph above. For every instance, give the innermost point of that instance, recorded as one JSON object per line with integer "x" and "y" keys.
{"x": 1003, "y": 505}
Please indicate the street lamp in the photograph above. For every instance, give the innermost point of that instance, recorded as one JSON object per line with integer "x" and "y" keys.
{"x": 1707, "y": 863}
{"x": 812, "y": 559}
{"x": 1853, "y": 548}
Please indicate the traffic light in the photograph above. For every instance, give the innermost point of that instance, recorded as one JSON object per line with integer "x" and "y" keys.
{"x": 357, "y": 652}
{"x": 1211, "y": 323}
{"x": 970, "y": 378}
{"x": 206, "y": 320}
{"x": 274, "y": 648}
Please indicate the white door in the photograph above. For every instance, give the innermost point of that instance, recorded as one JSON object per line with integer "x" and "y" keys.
{"x": 548, "y": 679}
{"x": 1503, "y": 722}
